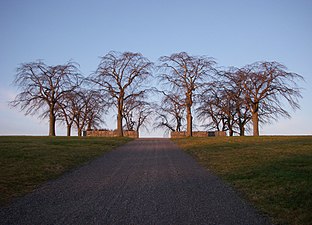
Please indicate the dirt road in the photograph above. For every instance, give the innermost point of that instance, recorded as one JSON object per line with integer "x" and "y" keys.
{"x": 147, "y": 181}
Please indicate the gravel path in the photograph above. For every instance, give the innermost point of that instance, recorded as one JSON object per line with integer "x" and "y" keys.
{"x": 147, "y": 181}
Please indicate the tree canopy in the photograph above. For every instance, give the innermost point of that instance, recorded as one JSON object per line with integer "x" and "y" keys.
{"x": 121, "y": 76}
{"x": 230, "y": 99}
{"x": 42, "y": 88}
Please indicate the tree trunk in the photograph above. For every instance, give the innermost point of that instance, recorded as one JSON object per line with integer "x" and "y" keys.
{"x": 230, "y": 126}
{"x": 255, "y": 120}
{"x": 241, "y": 125}
{"x": 119, "y": 118}
{"x": 68, "y": 130}
{"x": 178, "y": 127}
{"x": 79, "y": 131}
{"x": 137, "y": 132}
{"x": 89, "y": 126}
{"x": 231, "y": 132}
{"x": 241, "y": 130}
{"x": 52, "y": 121}
{"x": 189, "y": 131}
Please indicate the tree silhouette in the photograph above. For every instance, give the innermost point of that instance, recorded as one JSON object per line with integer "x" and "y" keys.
{"x": 186, "y": 74}
{"x": 170, "y": 113}
{"x": 265, "y": 86}
{"x": 137, "y": 113}
{"x": 121, "y": 76}
{"x": 43, "y": 86}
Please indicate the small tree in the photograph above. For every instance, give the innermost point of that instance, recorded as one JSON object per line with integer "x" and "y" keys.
{"x": 66, "y": 112}
{"x": 224, "y": 105}
{"x": 136, "y": 113}
{"x": 84, "y": 108}
{"x": 96, "y": 107}
{"x": 265, "y": 86}
{"x": 186, "y": 74}
{"x": 121, "y": 76}
{"x": 43, "y": 86}
{"x": 212, "y": 107}
{"x": 170, "y": 113}
{"x": 235, "y": 94}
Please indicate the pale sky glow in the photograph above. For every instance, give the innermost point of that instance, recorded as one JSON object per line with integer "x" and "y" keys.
{"x": 235, "y": 33}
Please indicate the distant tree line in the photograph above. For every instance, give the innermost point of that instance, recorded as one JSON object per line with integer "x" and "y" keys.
{"x": 232, "y": 99}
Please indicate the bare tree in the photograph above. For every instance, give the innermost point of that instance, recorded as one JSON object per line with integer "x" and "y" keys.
{"x": 80, "y": 110}
{"x": 212, "y": 107}
{"x": 266, "y": 85}
{"x": 84, "y": 108}
{"x": 235, "y": 94}
{"x": 96, "y": 107}
{"x": 42, "y": 86}
{"x": 144, "y": 113}
{"x": 88, "y": 109}
{"x": 186, "y": 74}
{"x": 136, "y": 113}
{"x": 170, "y": 113}
{"x": 130, "y": 106}
{"x": 66, "y": 111}
{"x": 118, "y": 73}
{"x": 228, "y": 109}
{"x": 223, "y": 104}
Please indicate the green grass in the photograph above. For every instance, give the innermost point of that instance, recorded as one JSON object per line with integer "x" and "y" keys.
{"x": 274, "y": 173}
{"x": 26, "y": 162}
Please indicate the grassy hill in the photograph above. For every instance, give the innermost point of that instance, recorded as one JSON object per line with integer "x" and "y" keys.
{"x": 274, "y": 173}
{"x": 26, "y": 162}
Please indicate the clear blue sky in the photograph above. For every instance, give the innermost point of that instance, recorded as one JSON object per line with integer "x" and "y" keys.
{"x": 235, "y": 33}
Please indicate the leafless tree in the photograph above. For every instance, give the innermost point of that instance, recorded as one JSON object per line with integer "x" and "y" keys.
{"x": 118, "y": 74}
{"x": 97, "y": 106}
{"x": 186, "y": 74}
{"x": 233, "y": 87}
{"x": 265, "y": 86}
{"x": 80, "y": 111}
{"x": 82, "y": 107}
{"x": 136, "y": 113}
{"x": 66, "y": 110}
{"x": 42, "y": 86}
{"x": 224, "y": 105}
{"x": 228, "y": 109}
{"x": 89, "y": 108}
{"x": 212, "y": 106}
{"x": 170, "y": 113}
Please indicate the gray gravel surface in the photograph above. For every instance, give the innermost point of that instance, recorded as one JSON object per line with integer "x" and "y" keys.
{"x": 147, "y": 181}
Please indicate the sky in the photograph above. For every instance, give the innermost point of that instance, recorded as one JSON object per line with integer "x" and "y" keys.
{"x": 235, "y": 33}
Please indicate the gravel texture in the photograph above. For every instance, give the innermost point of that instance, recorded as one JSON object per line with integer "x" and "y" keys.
{"x": 147, "y": 181}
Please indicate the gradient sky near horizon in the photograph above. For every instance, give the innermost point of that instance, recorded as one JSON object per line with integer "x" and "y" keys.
{"x": 235, "y": 33}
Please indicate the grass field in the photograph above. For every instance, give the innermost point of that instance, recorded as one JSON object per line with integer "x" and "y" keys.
{"x": 274, "y": 173}
{"x": 26, "y": 162}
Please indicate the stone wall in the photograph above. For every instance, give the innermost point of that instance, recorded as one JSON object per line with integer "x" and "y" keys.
{"x": 220, "y": 133}
{"x": 109, "y": 133}
{"x": 177, "y": 134}
{"x": 182, "y": 134}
